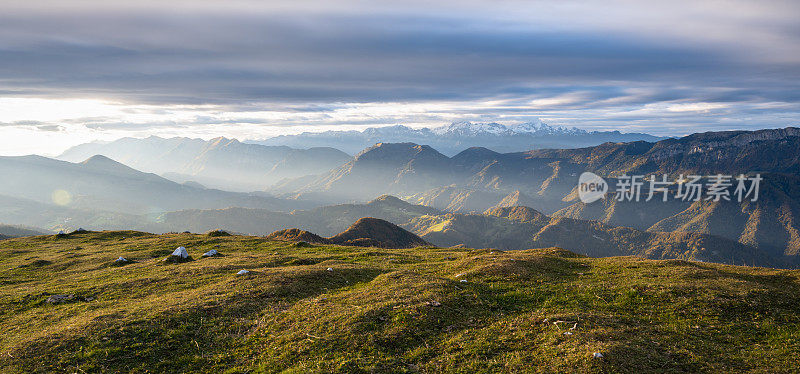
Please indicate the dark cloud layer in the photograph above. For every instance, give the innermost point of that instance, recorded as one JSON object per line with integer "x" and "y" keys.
{"x": 309, "y": 57}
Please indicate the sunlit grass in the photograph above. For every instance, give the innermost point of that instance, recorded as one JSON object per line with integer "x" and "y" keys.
{"x": 382, "y": 310}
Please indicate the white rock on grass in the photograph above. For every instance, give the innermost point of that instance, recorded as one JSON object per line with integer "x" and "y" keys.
{"x": 180, "y": 252}
{"x": 597, "y": 355}
{"x": 211, "y": 253}
{"x": 330, "y": 269}
{"x": 121, "y": 259}
{"x": 243, "y": 272}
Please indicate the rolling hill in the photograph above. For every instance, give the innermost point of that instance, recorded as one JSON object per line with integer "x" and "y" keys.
{"x": 477, "y": 179}
{"x": 729, "y": 152}
{"x": 17, "y": 231}
{"x": 220, "y": 163}
{"x": 510, "y": 228}
{"x": 324, "y": 308}
{"x": 547, "y": 177}
{"x": 407, "y": 169}
{"x": 102, "y": 193}
{"x": 383, "y": 168}
{"x": 102, "y": 184}
{"x": 771, "y": 223}
{"x": 366, "y": 232}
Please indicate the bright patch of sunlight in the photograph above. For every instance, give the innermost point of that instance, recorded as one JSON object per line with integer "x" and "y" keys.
{"x": 61, "y": 197}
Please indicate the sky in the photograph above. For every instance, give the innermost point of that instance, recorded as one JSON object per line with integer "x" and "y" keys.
{"x": 73, "y": 71}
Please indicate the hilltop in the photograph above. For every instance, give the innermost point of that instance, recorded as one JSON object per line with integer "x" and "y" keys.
{"x": 325, "y": 308}
{"x": 366, "y": 232}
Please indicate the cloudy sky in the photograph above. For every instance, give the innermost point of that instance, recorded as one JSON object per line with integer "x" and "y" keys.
{"x": 74, "y": 71}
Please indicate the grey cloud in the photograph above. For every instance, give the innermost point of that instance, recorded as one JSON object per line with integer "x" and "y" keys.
{"x": 339, "y": 58}
{"x": 309, "y": 58}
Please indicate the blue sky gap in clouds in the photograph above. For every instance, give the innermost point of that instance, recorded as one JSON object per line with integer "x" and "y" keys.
{"x": 254, "y": 69}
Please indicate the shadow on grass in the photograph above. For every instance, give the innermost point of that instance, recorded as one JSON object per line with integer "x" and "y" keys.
{"x": 202, "y": 337}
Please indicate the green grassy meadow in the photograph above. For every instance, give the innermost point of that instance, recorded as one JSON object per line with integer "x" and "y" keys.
{"x": 332, "y": 309}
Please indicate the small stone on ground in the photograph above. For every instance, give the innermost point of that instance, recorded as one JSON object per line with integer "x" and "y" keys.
{"x": 180, "y": 252}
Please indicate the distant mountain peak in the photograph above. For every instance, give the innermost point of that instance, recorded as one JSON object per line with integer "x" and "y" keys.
{"x": 107, "y": 164}
{"x": 466, "y": 128}
{"x": 386, "y": 130}
{"x": 389, "y": 199}
{"x": 536, "y": 127}
{"x": 397, "y": 151}
{"x": 456, "y": 136}
{"x": 222, "y": 141}
{"x": 516, "y": 213}
{"x": 539, "y": 127}
{"x": 99, "y": 159}
{"x": 219, "y": 163}
{"x": 477, "y": 152}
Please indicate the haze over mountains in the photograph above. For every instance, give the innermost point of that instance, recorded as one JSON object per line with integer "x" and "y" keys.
{"x": 501, "y": 228}
{"x": 478, "y": 197}
{"x": 219, "y": 163}
{"x": 458, "y": 136}
{"x": 477, "y": 179}
{"x": 54, "y": 194}
{"x": 233, "y": 165}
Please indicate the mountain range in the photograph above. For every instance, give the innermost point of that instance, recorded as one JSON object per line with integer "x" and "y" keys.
{"x": 508, "y": 228}
{"x": 477, "y": 179}
{"x": 44, "y": 192}
{"x": 474, "y": 179}
{"x": 219, "y": 163}
{"x": 16, "y": 231}
{"x": 457, "y": 136}
{"x": 470, "y": 198}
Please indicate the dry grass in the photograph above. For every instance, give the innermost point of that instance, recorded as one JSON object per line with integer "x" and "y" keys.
{"x": 381, "y": 310}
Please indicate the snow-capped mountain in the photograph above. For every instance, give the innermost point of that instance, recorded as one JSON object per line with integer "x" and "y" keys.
{"x": 540, "y": 128}
{"x": 536, "y": 128}
{"x": 465, "y": 128}
{"x": 457, "y": 136}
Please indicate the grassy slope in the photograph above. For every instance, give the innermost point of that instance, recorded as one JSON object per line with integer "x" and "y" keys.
{"x": 371, "y": 312}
